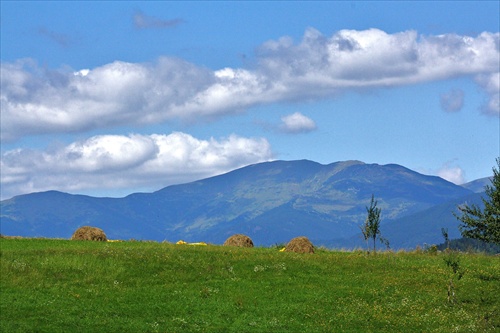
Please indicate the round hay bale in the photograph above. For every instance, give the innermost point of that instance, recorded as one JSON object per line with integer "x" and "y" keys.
{"x": 89, "y": 233}
{"x": 239, "y": 240}
{"x": 300, "y": 245}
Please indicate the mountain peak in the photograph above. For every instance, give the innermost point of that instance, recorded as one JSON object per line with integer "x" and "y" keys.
{"x": 271, "y": 202}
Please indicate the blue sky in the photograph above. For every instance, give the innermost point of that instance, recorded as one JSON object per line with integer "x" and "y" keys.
{"x": 110, "y": 98}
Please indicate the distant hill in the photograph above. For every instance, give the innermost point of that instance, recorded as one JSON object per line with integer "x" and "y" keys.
{"x": 271, "y": 202}
{"x": 425, "y": 226}
{"x": 478, "y": 185}
{"x": 422, "y": 228}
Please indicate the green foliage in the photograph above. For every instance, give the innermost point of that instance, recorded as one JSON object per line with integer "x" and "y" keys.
{"x": 452, "y": 260}
{"x": 61, "y": 286}
{"x": 371, "y": 228}
{"x": 433, "y": 249}
{"x": 469, "y": 245}
{"x": 484, "y": 224}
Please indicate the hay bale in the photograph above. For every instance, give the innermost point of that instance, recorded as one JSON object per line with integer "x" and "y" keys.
{"x": 300, "y": 245}
{"x": 89, "y": 233}
{"x": 239, "y": 240}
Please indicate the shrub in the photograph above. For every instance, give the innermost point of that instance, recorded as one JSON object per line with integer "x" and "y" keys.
{"x": 89, "y": 233}
{"x": 433, "y": 249}
{"x": 300, "y": 245}
{"x": 239, "y": 240}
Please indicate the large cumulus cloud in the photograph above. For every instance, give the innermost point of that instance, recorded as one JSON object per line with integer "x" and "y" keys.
{"x": 36, "y": 100}
{"x": 126, "y": 162}
{"x": 372, "y": 58}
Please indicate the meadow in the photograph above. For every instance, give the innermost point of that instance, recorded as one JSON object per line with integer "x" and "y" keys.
{"x": 49, "y": 285}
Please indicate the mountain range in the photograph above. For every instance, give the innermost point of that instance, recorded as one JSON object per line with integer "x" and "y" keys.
{"x": 271, "y": 202}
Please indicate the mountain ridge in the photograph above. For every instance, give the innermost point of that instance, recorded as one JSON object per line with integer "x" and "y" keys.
{"x": 269, "y": 201}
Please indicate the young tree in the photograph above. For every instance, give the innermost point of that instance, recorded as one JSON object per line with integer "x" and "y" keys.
{"x": 371, "y": 228}
{"x": 479, "y": 224}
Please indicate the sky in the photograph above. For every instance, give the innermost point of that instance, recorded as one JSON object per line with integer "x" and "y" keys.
{"x": 112, "y": 98}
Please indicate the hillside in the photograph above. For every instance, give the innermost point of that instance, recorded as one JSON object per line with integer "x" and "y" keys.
{"x": 271, "y": 202}
{"x": 425, "y": 226}
{"x": 478, "y": 185}
{"x": 52, "y": 285}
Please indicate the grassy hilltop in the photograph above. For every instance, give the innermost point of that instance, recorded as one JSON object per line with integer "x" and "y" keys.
{"x": 61, "y": 286}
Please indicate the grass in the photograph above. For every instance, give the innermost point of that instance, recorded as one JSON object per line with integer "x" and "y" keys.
{"x": 80, "y": 286}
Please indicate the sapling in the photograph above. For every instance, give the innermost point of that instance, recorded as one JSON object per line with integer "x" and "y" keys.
{"x": 452, "y": 260}
{"x": 371, "y": 227}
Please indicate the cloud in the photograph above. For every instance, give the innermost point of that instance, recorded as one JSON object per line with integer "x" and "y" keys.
{"x": 35, "y": 100}
{"x": 491, "y": 85}
{"x": 297, "y": 123}
{"x": 61, "y": 39}
{"x": 452, "y": 101}
{"x": 452, "y": 173}
{"x": 127, "y": 162}
{"x": 373, "y": 58}
{"x": 143, "y": 21}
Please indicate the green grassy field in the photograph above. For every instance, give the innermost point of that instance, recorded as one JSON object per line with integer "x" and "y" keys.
{"x": 78, "y": 286}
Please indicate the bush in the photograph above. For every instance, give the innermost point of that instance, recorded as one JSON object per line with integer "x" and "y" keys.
{"x": 239, "y": 240}
{"x": 89, "y": 233}
{"x": 300, "y": 245}
{"x": 433, "y": 249}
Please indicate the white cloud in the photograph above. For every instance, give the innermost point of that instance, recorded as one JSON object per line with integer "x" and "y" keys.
{"x": 297, "y": 123}
{"x": 127, "y": 162}
{"x": 491, "y": 85}
{"x": 452, "y": 101}
{"x": 449, "y": 171}
{"x": 35, "y": 100}
{"x": 373, "y": 58}
{"x": 452, "y": 173}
